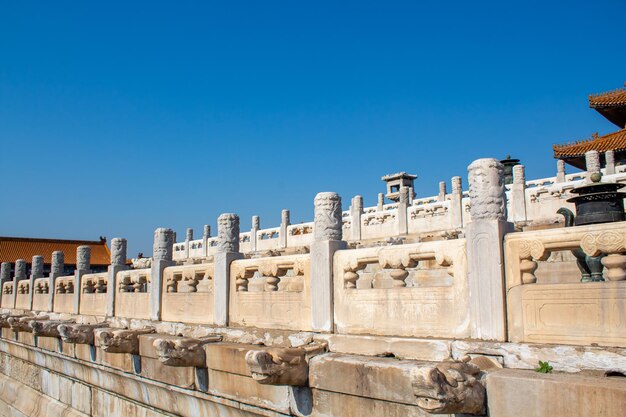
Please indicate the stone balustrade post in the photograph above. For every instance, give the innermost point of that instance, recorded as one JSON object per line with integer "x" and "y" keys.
{"x": 284, "y": 223}
{"x": 256, "y": 225}
{"x": 411, "y": 196}
{"x": 609, "y": 162}
{"x": 5, "y": 272}
{"x": 36, "y": 271}
{"x": 20, "y": 274}
{"x": 456, "y": 204}
{"x": 518, "y": 195}
{"x": 118, "y": 263}
{"x": 205, "y": 239}
{"x": 381, "y": 202}
{"x": 560, "y": 170}
{"x": 442, "y": 191}
{"x": 227, "y": 252}
{"x": 188, "y": 239}
{"x": 327, "y": 234}
{"x": 485, "y": 254}
{"x": 83, "y": 267}
{"x": 162, "y": 257}
{"x": 56, "y": 270}
{"x": 592, "y": 162}
{"x": 402, "y": 225}
{"x": 356, "y": 210}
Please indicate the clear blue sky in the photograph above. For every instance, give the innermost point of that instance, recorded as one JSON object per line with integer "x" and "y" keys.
{"x": 120, "y": 117}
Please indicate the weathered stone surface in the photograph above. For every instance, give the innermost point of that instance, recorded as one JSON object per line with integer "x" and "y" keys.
{"x": 486, "y": 189}
{"x": 162, "y": 249}
{"x": 58, "y": 261}
{"x": 120, "y": 341}
{"x": 118, "y": 251}
{"x": 532, "y": 394}
{"x": 333, "y": 404}
{"x": 22, "y": 324}
{"x": 37, "y": 266}
{"x": 327, "y": 217}
{"x": 228, "y": 233}
{"x": 182, "y": 351}
{"x": 47, "y": 328}
{"x": 83, "y": 258}
{"x": 282, "y": 366}
{"x": 79, "y": 333}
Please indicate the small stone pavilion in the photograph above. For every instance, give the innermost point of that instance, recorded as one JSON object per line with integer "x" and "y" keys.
{"x": 611, "y": 105}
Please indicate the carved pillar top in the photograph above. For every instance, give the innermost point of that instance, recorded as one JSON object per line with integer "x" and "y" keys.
{"x": 5, "y": 272}
{"x": 486, "y": 189}
{"x": 284, "y": 215}
{"x": 118, "y": 251}
{"x": 457, "y": 185}
{"x": 228, "y": 233}
{"x": 37, "y": 266}
{"x": 328, "y": 223}
{"x": 207, "y": 231}
{"x": 83, "y": 258}
{"x": 592, "y": 161}
{"x": 442, "y": 188}
{"x": 381, "y": 201}
{"x": 58, "y": 261}
{"x": 405, "y": 194}
{"x": 519, "y": 176}
{"x": 256, "y": 222}
{"x": 189, "y": 234}
{"x": 357, "y": 203}
{"x": 560, "y": 166}
{"x": 163, "y": 247}
{"x": 20, "y": 269}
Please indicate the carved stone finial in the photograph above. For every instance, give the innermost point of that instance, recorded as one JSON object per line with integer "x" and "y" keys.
{"x": 592, "y": 161}
{"x": 405, "y": 194}
{"x": 58, "y": 262}
{"x": 79, "y": 333}
{"x": 163, "y": 246}
{"x": 228, "y": 233}
{"x": 47, "y": 328}
{"x": 486, "y": 189}
{"x": 118, "y": 251}
{"x": 185, "y": 351}
{"x": 284, "y": 215}
{"x": 381, "y": 201}
{"x": 442, "y": 188}
{"x": 457, "y": 185}
{"x": 37, "y": 266}
{"x": 20, "y": 269}
{"x": 256, "y": 222}
{"x": 327, "y": 223}
{"x": 207, "y": 231}
{"x": 450, "y": 387}
{"x": 519, "y": 177}
{"x": 282, "y": 366}
{"x": 83, "y": 258}
{"x": 560, "y": 166}
{"x": 357, "y": 202}
{"x": 120, "y": 341}
{"x": 5, "y": 272}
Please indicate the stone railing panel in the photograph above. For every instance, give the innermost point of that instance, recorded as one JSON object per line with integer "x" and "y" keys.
{"x": 7, "y": 295}
{"x": 300, "y": 234}
{"x": 417, "y": 290}
{"x": 132, "y": 296}
{"x": 41, "y": 294}
{"x": 188, "y": 293}
{"x": 379, "y": 224}
{"x": 22, "y": 299}
{"x": 541, "y": 310}
{"x": 64, "y": 294}
{"x": 93, "y": 294}
{"x": 271, "y": 292}
{"x": 268, "y": 239}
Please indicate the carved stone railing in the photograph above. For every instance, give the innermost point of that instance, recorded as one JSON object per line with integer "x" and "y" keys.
{"x": 7, "y": 295}
{"x": 271, "y": 292}
{"x": 132, "y": 298}
{"x": 188, "y": 293}
{"x": 94, "y": 294}
{"x": 377, "y": 289}
{"x": 22, "y": 299}
{"x": 64, "y": 294}
{"x": 544, "y": 310}
{"x": 41, "y": 294}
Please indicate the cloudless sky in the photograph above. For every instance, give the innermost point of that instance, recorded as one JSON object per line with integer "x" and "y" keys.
{"x": 120, "y": 117}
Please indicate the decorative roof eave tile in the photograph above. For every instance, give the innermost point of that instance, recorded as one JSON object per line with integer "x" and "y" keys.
{"x": 613, "y": 98}
{"x": 615, "y": 141}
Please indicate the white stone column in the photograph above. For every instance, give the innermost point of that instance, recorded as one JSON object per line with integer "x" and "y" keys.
{"x": 442, "y": 191}
{"x": 83, "y": 267}
{"x": 327, "y": 233}
{"x": 205, "y": 239}
{"x": 227, "y": 252}
{"x": 381, "y": 202}
{"x": 118, "y": 263}
{"x": 456, "y": 204}
{"x": 56, "y": 270}
{"x": 5, "y": 272}
{"x": 560, "y": 170}
{"x": 609, "y": 158}
{"x": 284, "y": 223}
{"x": 20, "y": 274}
{"x": 518, "y": 195}
{"x": 256, "y": 225}
{"x": 36, "y": 271}
{"x": 188, "y": 239}
{"x": 485, "y": 257}
{"x": 356, "y": 210}
{"x": 402, "y": 225}
{"x": 592, "y": 162}
{"x": 162, "y": 255}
